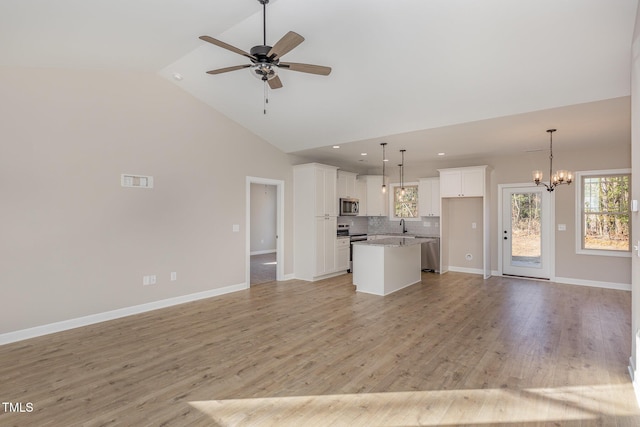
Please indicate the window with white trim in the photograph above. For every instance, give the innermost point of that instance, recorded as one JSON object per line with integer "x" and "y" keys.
{"x": 603, "y": 212}
{"x": 404, "y": 204}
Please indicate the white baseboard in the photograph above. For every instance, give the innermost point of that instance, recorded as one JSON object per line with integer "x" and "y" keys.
{"x": 290, "y": 276}
{"x": 113, "y": 314}
{"x": 267, "y": 251}
{"x": 592, "y": 283}
{"x": 466, "y": 270}
{"x": 634, "y": 380}
{"x": 563, "y": 280}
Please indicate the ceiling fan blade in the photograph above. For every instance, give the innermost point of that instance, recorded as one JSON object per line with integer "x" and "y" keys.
{"x": 275, "y": 83}
{"x": 287, "y": 43}
{"x": 306, "y": 68}
{"x": 227, "y": 46}
{"x": 227, "y": 69}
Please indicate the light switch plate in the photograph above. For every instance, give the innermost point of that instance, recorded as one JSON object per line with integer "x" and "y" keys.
{"x": 562, "y": 227}
{"x": 236, "y": 228}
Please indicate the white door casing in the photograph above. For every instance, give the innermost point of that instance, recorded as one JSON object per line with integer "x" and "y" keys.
{"x": 526, "y": 250}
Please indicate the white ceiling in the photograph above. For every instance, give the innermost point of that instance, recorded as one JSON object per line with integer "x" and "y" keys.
{"x": 466, "y": 77}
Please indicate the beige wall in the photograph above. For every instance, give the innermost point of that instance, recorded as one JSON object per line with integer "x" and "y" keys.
{"x": 517, "y": 169}
{"x": 73, "y": 242}
{"x": 463, "y": 239}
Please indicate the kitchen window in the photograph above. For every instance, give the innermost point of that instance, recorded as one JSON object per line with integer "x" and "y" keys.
{"x": 405, "y": 205}
{"x": 603, "y": 213}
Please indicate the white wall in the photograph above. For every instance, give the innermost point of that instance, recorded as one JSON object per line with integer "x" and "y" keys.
{"x": 635, "y": 188}
{"x": 263, "y": 218}
{"x": 73, "y": 242}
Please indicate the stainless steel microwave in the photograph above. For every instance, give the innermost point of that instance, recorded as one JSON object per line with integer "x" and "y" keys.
{"x": 349, "y": 207}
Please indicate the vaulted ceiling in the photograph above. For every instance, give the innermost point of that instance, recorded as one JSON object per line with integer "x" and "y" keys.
{"x": 467, "y": 77}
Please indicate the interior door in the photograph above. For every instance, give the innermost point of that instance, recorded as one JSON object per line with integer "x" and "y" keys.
{"x": 526, "y": 232}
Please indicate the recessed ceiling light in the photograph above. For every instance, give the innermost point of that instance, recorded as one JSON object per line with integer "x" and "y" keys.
{"x": 363, "y": 154}
{"x": 385, "y": 160}
{"x": 440, "y": 154}
{"x": 177, "y": 76}
{"x": 336, "y": 146}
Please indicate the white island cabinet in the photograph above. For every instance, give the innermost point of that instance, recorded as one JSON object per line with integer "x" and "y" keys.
{"x": 383, "y": 266}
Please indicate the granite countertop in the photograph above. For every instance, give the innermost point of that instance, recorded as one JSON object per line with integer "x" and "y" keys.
{"x": 406, "y": 235}
{"x": 394, "y": 241}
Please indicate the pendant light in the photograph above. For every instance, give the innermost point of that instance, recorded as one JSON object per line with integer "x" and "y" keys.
{"x": 384, "y": 160}
{"x": 560, "y": 177}
{"x": 402, "y": 173}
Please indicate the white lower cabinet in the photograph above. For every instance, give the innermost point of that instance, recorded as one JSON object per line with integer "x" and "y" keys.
{"x": 342, "y": 253}
{"x": 325, "y": 245}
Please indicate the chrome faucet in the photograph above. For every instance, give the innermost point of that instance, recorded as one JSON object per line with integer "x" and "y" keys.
{"x": 403, "y": 225}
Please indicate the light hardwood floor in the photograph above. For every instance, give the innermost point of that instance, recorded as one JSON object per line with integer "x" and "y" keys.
{"x": 452, "y": 350}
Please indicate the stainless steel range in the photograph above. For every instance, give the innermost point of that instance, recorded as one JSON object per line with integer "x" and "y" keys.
{"x": 343, "y": 230}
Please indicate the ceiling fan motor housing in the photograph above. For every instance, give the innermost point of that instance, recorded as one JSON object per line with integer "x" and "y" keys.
{"x": 264, "y": 67}
{"x": 261, "y": 52}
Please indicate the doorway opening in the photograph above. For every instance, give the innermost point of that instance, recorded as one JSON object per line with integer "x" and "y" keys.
{"x": 526, "y": 237}
{"x": 264, "y": 230}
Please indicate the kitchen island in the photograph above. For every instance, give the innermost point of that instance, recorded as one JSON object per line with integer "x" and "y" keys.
{"x": 383, "y": 266}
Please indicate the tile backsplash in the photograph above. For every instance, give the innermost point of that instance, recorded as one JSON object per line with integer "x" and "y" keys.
{"x": 358, "y": 224}
{"x": 427, "y": 226}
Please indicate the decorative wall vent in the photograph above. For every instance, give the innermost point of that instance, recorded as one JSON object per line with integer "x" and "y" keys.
{"x": 137, "y": 181}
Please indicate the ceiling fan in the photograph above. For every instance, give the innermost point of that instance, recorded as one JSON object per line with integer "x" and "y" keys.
{"x": 265, "y": 60}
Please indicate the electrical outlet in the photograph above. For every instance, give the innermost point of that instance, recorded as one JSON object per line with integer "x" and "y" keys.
{"x": 174, "y": 276}
{"x": 148, "y": 280}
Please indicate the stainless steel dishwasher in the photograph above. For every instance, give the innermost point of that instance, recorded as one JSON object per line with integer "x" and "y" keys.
{"x": 431, "y": 255}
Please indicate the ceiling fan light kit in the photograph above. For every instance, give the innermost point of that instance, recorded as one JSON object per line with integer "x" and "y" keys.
{"x": 265, "y": 59}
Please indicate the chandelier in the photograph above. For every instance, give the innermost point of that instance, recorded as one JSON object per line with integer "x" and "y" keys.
{"x": 560, "y": 177}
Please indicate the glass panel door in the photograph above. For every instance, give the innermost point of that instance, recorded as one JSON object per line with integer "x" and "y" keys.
{"x": 524, "y": 235}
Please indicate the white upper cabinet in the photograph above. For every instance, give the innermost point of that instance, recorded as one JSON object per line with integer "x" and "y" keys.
{"x": 377, "y": 202}
{"x": 429, "y": 197}
{"x": 346, "y": 185}
{"x": 361, "y": 195}
{"x": 463, "y": 182}
{"x": 326, "y": 202}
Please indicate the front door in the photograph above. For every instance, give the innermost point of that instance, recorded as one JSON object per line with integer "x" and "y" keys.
{"x": 526, "y": 232}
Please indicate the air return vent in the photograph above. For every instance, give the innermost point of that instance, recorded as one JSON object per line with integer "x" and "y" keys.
{"x": 137, "y": 181}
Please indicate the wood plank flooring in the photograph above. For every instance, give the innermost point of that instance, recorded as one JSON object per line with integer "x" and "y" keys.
{"x": 452, "y": 350}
